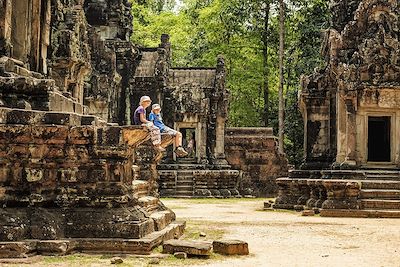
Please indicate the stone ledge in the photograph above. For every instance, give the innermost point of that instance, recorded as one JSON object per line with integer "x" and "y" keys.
{"x": 27, "y": 248}
{"x": 195, "y": 248}
{"x": 360, "y": 213}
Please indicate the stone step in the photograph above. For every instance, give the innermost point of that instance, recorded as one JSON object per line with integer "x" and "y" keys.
{"x": 185, "y": 179}
{"x": 380, "y": 193}
{"x": 141, "y": 188}
{"x": 149, "y": 203}
{"x": 387, "y": 177}
{"x": 379, "y": 204}
{"x": 184, "y": 183}
{"x": 184, "y": 186}
{"x": 366, "y": 213}
{"x": 162, "y": 219}
{"x": 380, "y": 184}
{"x": 198, "y": 248}
{"x": 182, "y": 167}
{"x": 142, "y": 246}
{"x": 183, "y": 193}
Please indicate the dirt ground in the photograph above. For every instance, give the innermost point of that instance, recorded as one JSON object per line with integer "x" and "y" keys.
{"x": 288, "y": 239}
{"x": 276, "y": 238}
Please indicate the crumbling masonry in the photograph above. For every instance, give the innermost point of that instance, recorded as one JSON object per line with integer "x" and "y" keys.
{"x": 70, "y": 181}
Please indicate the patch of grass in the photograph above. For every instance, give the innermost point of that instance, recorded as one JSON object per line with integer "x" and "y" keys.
{"x": 213, "y": 230}
{"x": 172, "y": 261}
{"x": 213, "y": 200}
{"x": 278, "y": 210}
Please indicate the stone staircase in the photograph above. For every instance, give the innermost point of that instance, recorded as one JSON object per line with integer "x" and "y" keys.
{"x": 379, "y": 198}
{"x": 187, "y": 179}
{"x": 178, "y": 183}
{"x": 368, "y": 192}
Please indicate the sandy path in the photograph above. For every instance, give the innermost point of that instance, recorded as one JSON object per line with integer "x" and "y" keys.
{"x": 287, "y": 239}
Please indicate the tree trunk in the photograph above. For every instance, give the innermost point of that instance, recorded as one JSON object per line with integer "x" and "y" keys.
{"x": 265, "y": 65}
{"x": 281, "y": 51}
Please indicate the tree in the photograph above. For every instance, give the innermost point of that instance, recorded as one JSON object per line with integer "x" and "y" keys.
{"x": 281, "y": 81}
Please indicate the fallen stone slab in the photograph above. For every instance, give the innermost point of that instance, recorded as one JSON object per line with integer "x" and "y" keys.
{"x": 189, "y": 247}
{"x": 231, "y": 247}
{"x": 308, "y": 213}
{"x": 180, "y": 255}
{"x": 267, "y": 205}
{"x": 116, "y": 260}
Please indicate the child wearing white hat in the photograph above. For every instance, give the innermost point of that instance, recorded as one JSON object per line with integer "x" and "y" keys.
{"x": 155, "y": 117}
{"x": 139, "y": 118}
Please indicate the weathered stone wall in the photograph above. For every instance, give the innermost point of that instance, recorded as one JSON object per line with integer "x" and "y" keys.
{"x": 70, "y": 181}
{"x": 69, "y": 52}
{"x": 255, "y": 152}
{"x": 107, "y": 93}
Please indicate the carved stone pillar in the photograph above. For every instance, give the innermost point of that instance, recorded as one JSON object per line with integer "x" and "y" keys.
{"x": 5, "y": 27}
{"x": 304, "y": 192}
{"x": 219, "y": 110}
{"x": 322, "y": 194}
{"x": 351, "y": 132}
{"x": 285, "y": 199}
{"x": 314, "y": 194}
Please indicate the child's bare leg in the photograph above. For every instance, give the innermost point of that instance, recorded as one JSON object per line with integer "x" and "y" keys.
{"x": 178, "y": 139}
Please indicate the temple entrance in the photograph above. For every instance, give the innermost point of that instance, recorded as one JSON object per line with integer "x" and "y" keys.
{"x": 379, "y": 139}
{"x": 189, "y": 142}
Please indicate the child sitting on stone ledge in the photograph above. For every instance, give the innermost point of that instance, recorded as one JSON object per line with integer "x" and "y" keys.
{"x": 155, "y": 117}
{"x": 139, "y": 118}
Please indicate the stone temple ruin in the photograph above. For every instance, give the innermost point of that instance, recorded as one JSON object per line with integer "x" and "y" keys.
{"x": 74, "y": 174}
{"x": 351, "y": 114}
{"x": 70, "y": 181}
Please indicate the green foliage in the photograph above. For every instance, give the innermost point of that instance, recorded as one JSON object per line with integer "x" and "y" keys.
{"x": 202, "y": 29}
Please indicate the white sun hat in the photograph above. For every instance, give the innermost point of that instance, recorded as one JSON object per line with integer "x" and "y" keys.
{"x": 155, "y": 106}
{"x": 144, "y": 98}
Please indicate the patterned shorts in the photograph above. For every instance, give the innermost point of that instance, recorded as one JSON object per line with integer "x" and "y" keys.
{"x": 169, "y": 131}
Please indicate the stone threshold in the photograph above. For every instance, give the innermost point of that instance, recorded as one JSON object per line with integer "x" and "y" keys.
{"x": 352, "y": 213}
{"x": 143, "y": 246}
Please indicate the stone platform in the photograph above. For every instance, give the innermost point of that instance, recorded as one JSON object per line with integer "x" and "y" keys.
{"x": 332, "y": 193}
{"x": 142, "y": 246}
{"x": 65, "y": 187}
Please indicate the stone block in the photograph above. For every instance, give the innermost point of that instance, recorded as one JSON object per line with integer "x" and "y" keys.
{"x": 54, "y": 247}
{"x": 61, "y": 118}
{"x": 308, "y": 213}
{"x": 231, "y": 247}
{"x": 116, "y": 260}
{"x": 17, "y": 249}
{"x": 196, "y": 248}
{"x": 180, "y": 255}
{"x": 107, "y": 223}
{"x": 14, "y": 224}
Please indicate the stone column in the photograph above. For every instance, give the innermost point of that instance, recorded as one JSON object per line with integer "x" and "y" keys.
{"x": 5, "y": 27}
{"x": 351, "y": 133}
{"x": 45, "y": 35}
{"x": 219, "y": 112}
{"x": 21, "y": 28}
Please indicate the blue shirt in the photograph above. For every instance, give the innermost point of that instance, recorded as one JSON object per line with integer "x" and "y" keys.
{"x": 157, "y": 120}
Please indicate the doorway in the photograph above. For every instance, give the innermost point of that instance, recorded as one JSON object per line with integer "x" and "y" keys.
{"x": 189, "y": 142}
{"x": 379, "y": 139}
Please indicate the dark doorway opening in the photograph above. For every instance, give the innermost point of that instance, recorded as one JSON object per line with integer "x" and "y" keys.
{"x": 189, "y": 142}
{"x": 379, "y": 139}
